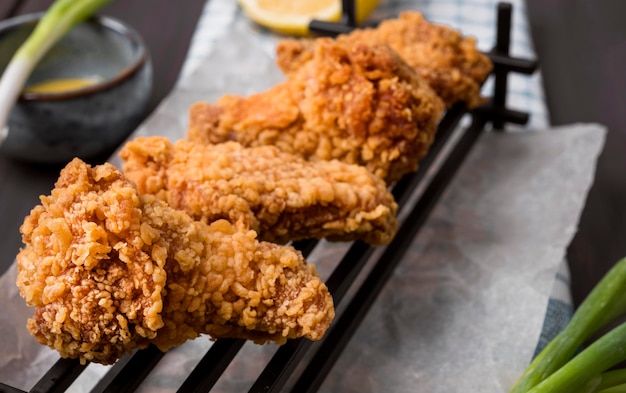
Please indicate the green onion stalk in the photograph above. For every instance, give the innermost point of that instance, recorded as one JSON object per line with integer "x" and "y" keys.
{"x": 60, "y": 18}
{"x": 585, "y": 370}
{"x": 615, "y": 389}
{"x": 613, "y": 381}
{"x": 603, "y": 306}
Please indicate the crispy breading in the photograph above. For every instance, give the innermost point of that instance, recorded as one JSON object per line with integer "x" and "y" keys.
{"x": 109, "y": 270}
{"x": 281, "y": 196}
{"x": 357, "y": 103}
{"x": 447, "y": 60}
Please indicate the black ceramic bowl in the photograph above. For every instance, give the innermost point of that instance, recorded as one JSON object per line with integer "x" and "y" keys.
{"x": 55, "y": 127}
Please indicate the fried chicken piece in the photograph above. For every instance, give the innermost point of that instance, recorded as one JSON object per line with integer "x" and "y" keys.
{"x": 357, "y": 103}
{"x": 280, "y": 196}
{"x": 448, "y": 61}
{"x": 109, "y": 270}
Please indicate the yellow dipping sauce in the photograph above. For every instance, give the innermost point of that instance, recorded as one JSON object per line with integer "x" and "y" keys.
{"x": 60, "y": 85}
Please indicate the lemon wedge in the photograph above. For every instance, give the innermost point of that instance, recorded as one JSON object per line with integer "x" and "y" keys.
{"x": 293, "y": 16}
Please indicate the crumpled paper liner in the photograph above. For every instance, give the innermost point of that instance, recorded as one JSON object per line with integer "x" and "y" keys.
{"x": 464, "y": 310}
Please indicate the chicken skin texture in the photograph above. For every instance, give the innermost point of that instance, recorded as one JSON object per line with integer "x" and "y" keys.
{"x": 448, "y": 61}
{"x": 109, "y": 270}
{"x": 279, "y": 195}
{"x": 357, "y": 103}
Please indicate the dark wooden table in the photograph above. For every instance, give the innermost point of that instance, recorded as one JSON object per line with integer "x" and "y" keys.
{"x": 581, "y": 46}
{"x": 582, "y": 50}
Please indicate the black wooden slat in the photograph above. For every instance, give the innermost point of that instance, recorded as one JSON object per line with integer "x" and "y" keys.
{"x": 501, "y": 74}
{"x": 60, "y": 376}
{"x": 9, "y": 389}
{"x": 129, "y": 373}
{"x": 211, "y": 366}
{"x": 513, "y": 64}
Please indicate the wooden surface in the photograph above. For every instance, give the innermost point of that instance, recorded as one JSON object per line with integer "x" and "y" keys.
{"x": 582, "y": 51}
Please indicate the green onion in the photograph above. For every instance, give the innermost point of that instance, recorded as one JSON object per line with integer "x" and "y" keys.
{"x": 615, "y": 389}
{"x": 60, "y": 18}
{"x": 584, "y": 370}
{"x": 611, "y": 379}
{"x": 605, "y": 303}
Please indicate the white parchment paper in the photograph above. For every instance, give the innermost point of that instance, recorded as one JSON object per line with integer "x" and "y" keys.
{"x": 465, "y": 308}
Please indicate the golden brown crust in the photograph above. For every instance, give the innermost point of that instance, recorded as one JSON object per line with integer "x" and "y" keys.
{"x": 448, "y": 61}
{"x": 279, "y": 195}
{"x": 109, "y": 270}
{"x": 357, "y": 103}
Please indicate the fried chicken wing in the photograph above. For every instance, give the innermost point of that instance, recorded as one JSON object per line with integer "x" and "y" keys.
{"x": 109, "y": 270}
{"x": 357, "y": 103}
{"x": 448, "y": 61}
{"x": 281, "y": 196}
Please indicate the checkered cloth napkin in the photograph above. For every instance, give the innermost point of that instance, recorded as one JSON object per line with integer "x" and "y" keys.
{"x": 472, "y": 17}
